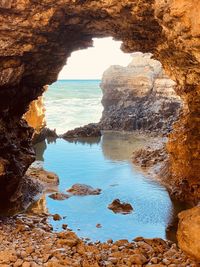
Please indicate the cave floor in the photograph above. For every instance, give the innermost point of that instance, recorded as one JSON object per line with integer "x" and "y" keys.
{"x": 28, "y": 240}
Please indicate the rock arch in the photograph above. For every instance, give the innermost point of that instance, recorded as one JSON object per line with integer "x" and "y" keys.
{"x": 36, "y": 37}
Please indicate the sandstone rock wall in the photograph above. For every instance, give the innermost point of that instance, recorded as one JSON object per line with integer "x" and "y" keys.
{"x": 36, "y": 37}
{"x": 139, "y": 97}
{"x": 35, "y": 116}
{"x": 189, "y": 232}
{"x": 180, "y": 56}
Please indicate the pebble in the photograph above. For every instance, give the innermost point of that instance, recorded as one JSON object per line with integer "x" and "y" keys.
{"x": 38, "y": 246}
{"x": 18, "y": 263}
{"x": 64, "y": 226}
{"x": 138, "y": 259}
{"x": 57, "y": 217}
{"x": 26, "y": 264}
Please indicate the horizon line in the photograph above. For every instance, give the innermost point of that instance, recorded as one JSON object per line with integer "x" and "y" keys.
{"x": 79, "y": 79}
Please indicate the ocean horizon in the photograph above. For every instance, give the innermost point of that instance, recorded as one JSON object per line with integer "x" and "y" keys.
{"x": 60, "y": 80}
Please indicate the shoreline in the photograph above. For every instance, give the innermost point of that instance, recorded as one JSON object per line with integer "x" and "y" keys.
{"x": 31, "y": 243}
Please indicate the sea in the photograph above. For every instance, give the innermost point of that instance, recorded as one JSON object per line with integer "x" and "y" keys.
{"x": 73, "y": 103}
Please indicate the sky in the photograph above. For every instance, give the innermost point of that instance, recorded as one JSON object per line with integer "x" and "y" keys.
{"x": 92, "y": 62}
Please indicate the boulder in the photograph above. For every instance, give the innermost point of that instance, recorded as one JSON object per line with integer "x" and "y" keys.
{"x": 43, "y": 176}
{"x": 59, "y": 196}
{"x": 120, "y": 207}
{"x": 57, "y": 217}
{"x": 188, "y": 234}
{"x": 83, "y": 190}
{"x": 90, "y": 130}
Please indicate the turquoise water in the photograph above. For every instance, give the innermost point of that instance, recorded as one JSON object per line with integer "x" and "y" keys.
{"x": 106, "y": 164}
{"x": 102, "y": 163}
{"x": 72, "y": 103}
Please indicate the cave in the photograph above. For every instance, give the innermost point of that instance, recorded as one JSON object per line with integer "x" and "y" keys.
{"x": 36, "y": 40}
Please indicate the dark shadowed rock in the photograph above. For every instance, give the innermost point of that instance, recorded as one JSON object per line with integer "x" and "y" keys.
{"x": 120, "y": 207}
{"x": 90, "y": 130}
{"x": 57, "y": 217}
{"x": 45, "y": 133}
{"x": 83, "y": 190}
{"x": 98, "y": 225}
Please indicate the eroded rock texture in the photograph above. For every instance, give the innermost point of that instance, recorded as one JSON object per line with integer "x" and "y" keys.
{"x": 36, "y": 37}
{"x": 139, "y": 97}
{"x": 89, "y": 130}
{"x": 180, "y": 55}
{"x": 35, "y": 116}
{"x": 189, "y": 232}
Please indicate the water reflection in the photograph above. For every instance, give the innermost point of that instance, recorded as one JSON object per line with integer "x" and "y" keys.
{"x": 103, "y": 163}
{"x": 42, "y": 146}
{"x": 27, "y": 192}
{"x": 85, "y": 140}
{"x": 39, "y": 150}
{"x": 115, "y": 146}
{"x": 118, "y": 146}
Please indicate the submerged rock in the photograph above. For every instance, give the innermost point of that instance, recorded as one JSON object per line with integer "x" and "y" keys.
{"x": 149, "y": 156}
{"x": 83, "y": 190}
{"x": 90, "y": 130}
{"x": 59, "y": 196}
{"x": 48, "y": 180}
{"x": 43, "y": 176}
{"x": 188, "y": 234}
{"x": 120, "y": 207}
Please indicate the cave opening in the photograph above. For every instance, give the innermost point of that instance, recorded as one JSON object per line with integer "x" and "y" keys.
{"x": 38, "y": 36}
{"x": 77, "y": 91}
{"x": 89, "y": 80}
{"x": 138, "y": 97}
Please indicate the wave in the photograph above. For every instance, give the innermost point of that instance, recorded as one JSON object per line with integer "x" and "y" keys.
{"x": 68, "y": 109}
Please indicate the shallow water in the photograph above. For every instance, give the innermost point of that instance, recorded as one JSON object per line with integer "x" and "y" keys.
{"x": 105, "y": 163}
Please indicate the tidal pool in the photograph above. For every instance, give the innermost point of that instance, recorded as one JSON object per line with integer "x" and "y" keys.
{"x": 106, "y": 163}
